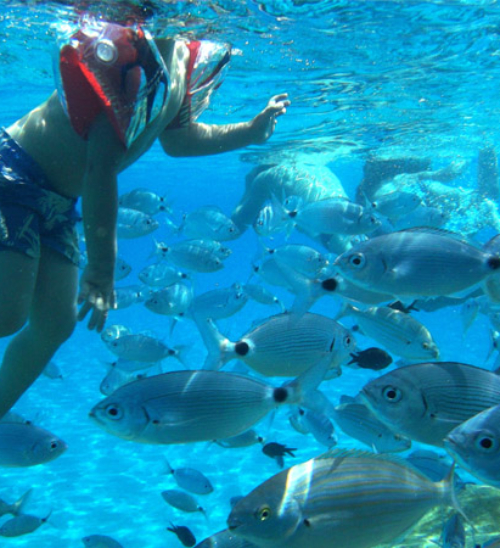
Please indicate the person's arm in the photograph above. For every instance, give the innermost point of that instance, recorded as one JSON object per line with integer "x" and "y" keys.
{"x": 99, "y": 212}
{"x": 203, "y": 139}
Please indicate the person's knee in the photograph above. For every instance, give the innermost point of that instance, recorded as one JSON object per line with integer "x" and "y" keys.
{"x": 58, "y": 327}
{"x": 11, "y": 322}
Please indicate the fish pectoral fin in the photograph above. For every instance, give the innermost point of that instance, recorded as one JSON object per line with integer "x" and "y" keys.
{"x": 170, "y": 422}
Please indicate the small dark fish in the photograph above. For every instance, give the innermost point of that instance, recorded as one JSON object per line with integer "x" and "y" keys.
{"x": 183, "y": 533}
{"x": 278, "y": 451}
{"x": 398, "y": 305}
{"x": 371, "y": 358}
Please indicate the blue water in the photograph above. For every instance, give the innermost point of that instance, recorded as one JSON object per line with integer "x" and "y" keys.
{"x": 391, "y": 78}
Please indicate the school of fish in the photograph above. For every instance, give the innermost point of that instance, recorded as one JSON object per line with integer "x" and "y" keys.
{"x": 365, "y": 487}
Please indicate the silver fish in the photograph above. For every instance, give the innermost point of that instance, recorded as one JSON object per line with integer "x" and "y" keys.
{"x": 100, "y": 541}
{"x": 196, "y": 255}
{"x": 182, "y": 501}
{"x": 140, "y": 348}
{"x": 52, "y": 371}
{"x": 161, "y": 275}
{"x": 131, "y": 223}
{"x": 22, "y": 524}
{"x": 190, "y": 406}
{"x": 356, "y": 420}
{"x": 114, "y": 332}
{"x": 269, "y": 221}
{"x": 475, "y": 445}
{"x": 334, "y": 216}
{"x": 126, "y": 296}
{"x": 262, "y": 295}
{"x": 245, "y": 439}
{"x": 320, "y": 426}
{"x": 122, "y": 269}
{"x": 322, "y": 502}
{"x": 219, "y": 303}
{"x": 423, "y": 215}
{"x": 173, "y": 300}
{"x": 209, "y": 222}
{"x": 426, "y": 401}
{"x": 282, "y": 346}
{"x": 144, "y": 200}
{"x": 302, "y": 258}
{"x": 190, "y": 479}
{"x": 393, "y": 203}
{"x": 417, "y": 263}
{"x": 399, "y": 333}
{"x": 28, "y": 445}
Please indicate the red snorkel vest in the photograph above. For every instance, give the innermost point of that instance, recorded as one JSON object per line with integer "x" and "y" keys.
{"x": 108, "y": 67}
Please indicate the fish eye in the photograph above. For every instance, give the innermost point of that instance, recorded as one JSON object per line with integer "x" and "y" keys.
{"x": 486, "y": 443}
{"x": 357, "y": 260}
{"x": 54, "y": 444}
{"x": 425, "y": 345}
{"x": 114, "y": 412}
{"x": 347, "y": 340}
{"x": 264, "y": 513}
{"x": 391, "y": 394}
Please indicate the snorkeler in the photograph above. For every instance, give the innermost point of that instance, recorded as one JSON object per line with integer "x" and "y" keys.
{"x": 118, "y": 91}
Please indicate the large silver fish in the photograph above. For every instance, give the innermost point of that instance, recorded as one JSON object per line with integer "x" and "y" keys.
{"x": 399, "y": 333}
{"x": 283, "y": 346}
{"x": 415, "y": 263}
{"x": 191, "y": 406}
{"x": 343, "y": 498}
{"x": 425, "y": 401}
{"x": 28, "y": 445}
{"x": 475, "y": 445}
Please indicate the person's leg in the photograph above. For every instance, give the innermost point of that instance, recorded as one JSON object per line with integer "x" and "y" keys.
{"x": 52, "y": 319}
{"x": 18, "y": 274}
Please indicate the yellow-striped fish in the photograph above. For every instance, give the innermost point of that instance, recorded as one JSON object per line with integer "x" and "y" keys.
{"x": 343, "y": 498}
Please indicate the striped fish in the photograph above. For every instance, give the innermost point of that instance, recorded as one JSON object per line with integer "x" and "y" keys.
{"x": 282, "y": 346}
{"x": 425, "y": 401}
{"x": 190, "y": 406}
{"x": 399, "y": 333}
{"x": 323, "y": 502}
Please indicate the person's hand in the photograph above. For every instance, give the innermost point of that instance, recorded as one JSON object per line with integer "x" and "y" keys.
{"x": 262, "y": 126}
{"x": 96, "y": 295}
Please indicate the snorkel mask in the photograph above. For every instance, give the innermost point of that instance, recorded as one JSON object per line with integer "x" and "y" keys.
{"x": 107, "y": 67}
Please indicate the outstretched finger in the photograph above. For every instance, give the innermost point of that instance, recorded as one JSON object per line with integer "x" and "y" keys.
{"x": 280, "y": 97}
{"x": 84, "y": 310}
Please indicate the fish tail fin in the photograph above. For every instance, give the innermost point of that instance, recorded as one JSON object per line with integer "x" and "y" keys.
{"x": 344, "y": 310}
{"x": 167, "y": 468}
{"x": 448, "y": 484}
{"x": 307, "y": 382}
{"x": 220, "y": 350}
{"x": 180, "y": 354}
{"x": 18, "y": 506}
{"x": 176, "y": 229}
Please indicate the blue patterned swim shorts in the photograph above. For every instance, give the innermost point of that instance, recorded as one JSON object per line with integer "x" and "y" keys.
{"x": 31, "y": 214}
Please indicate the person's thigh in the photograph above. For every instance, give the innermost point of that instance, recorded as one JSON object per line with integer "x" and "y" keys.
{"x": 54, "y": 302}
{"x": 18, "y": 274}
